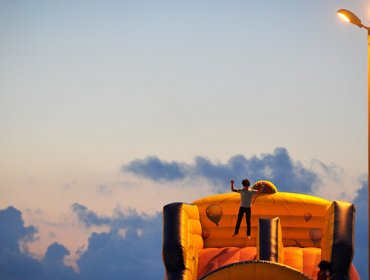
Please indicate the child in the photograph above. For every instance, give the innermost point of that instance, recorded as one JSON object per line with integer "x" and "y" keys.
{"x": 246, "y": 197}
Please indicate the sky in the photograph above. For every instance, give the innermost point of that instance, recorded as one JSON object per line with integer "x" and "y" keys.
{"x": 111, "y": 109}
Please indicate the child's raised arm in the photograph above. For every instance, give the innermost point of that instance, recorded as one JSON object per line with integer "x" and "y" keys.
{"x": 232, "y": 186}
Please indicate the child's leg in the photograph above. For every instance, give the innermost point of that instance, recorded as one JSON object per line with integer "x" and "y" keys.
{"x": 248, "y": 220}
{"x": 240, "y": 217}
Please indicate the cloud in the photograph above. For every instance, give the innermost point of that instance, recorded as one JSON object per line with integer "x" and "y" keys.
{"x": 53, "y": 263}
{"x": 88, "y": 218}
{"x": 134, "y": 256}
{"x": 16, "y": 264}
{"x": 334, "y": 183}
{"x": 132, "y": 247}
{"x": 55, "y": 254}
{"x": 361, "y": 230}
{"x": 13, "y": 263}
{"x": 130, "y": 218}
{"x": 13, "y": 230}
{"x": 361, "y": 203}
{"x": 277, "y": 167}
{"x": 315, "y": 178}
{"x": 155, "y": 169}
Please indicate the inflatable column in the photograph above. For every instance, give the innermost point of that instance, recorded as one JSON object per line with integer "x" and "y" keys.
{"x": 338, "y": 244}
{"x": 182, "y": 239}
{"x": 269, "y": 240}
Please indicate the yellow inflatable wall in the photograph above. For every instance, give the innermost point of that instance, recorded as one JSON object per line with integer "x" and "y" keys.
{"x": 301, "y": 216}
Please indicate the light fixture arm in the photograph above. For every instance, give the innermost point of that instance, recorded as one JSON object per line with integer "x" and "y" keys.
{"x": 366, "y": 27}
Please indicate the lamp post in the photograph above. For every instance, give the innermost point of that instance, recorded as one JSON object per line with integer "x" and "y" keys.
{"x": 348, "y": 16}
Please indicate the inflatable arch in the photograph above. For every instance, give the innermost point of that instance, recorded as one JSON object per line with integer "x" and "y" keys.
{"x": 291, "y": 234}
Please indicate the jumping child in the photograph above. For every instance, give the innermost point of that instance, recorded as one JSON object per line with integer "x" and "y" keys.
{"x": 246, "y": 196}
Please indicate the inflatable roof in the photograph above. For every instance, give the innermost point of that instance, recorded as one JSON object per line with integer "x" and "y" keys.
{"x": 291, "y": 234}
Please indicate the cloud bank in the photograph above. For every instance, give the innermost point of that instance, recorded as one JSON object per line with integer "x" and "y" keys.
{"x": 156, "y": 169}
{"x": 130, "y": 250}
{"x": 361, "y": 231}
{"x": 277, "y": 167}
{"x": 16, "y": 264}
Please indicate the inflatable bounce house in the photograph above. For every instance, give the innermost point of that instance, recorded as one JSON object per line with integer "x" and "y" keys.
{"x": 291, "y": 234}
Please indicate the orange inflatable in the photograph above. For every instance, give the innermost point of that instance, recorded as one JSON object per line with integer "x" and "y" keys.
{"x": 291, "y": 234}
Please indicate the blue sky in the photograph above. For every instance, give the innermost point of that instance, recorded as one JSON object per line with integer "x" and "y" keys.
{"x": 106, "y": 103}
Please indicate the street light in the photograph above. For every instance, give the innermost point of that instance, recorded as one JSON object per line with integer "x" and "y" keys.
{"x": 348, "y": 16}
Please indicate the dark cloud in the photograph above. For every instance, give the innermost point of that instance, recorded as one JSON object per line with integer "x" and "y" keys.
{"x": 155, "y": 169}
{"x": 18, "y": 265}
{"x": 55, "y": 254}
{"x": 277, "y": 167}
{"x": 87, "y": 217}
{"x": 13, "y": 263}
{"x": 13, "y": 230}
{"x": 53, "y": 263}
{"x": 361, "y": 231}
{"x": 131, "y": 248}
